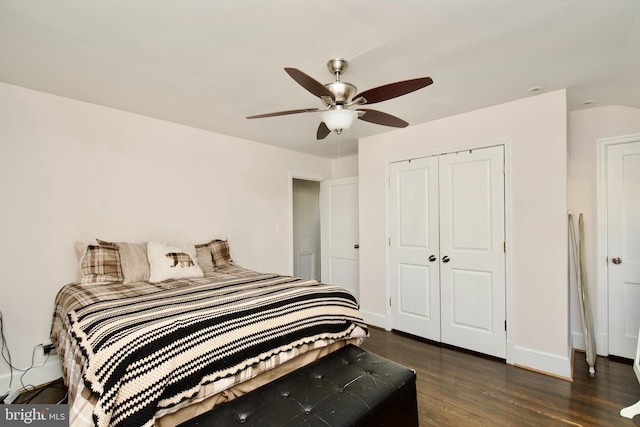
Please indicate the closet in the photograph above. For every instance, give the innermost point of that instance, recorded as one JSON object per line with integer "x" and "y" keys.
{"x": 447, "y": 249}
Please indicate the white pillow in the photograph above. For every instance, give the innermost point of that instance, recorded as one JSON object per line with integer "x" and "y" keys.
{"x": 172, "y": 261}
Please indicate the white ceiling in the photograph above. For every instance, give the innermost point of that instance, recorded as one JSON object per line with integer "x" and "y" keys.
{"x": 211, "y": 63}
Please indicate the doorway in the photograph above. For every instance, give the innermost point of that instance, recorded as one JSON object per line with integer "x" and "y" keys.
{"x": 324, "y": 230}
{"x": 306, "y": 229}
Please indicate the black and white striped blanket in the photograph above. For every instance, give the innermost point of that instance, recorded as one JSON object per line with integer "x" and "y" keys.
{"x": 149, "y": 352}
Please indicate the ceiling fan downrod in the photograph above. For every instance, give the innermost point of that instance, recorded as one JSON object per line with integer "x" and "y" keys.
{"x": 337, "y": 66}
{"x": 342, "y": 91}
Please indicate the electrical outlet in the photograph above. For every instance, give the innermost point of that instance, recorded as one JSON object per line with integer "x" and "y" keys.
{"x": 47, "y": 347}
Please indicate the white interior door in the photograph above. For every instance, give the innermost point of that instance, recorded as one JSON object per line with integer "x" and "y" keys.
{"x": 472, "y": 270}
{"x": 339, "y": 233}
{"x": 414, "y": 275}
{"x": 623, "y": 247}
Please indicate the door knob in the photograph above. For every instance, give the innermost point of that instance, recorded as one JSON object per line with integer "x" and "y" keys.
{"x": 445, "y": 259}
{"x": 432, "y": 258}
{"x": 616, "y": 260}
{"x": 356, "y": 246}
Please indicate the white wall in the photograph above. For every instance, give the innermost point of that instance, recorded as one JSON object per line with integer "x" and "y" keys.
{"x": 536, "y": 129}
{"x": 586, "y": 127}
{"x": 345, "y": 167}
{"x": 72, "y": 171}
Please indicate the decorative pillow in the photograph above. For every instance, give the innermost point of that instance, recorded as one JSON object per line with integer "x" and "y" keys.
{"x": 80, "y": 249}
{"x": 100, "y": 264}
{"x": 220, "y": 252}
{"x": 134, "y": 260}
{"x": 204, "y": 259}
{"x": 172, "y": 262}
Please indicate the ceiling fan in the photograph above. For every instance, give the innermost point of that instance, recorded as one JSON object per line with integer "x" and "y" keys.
{"x": 338, "y": 97}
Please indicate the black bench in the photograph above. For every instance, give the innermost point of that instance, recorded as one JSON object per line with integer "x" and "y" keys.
{"x": 349, "y": 387}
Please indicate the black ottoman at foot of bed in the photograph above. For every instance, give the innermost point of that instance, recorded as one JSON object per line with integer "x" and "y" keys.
{"x": 349, "y": 387}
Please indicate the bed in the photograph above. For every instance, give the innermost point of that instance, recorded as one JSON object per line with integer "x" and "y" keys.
{"x": 159, "y": 352}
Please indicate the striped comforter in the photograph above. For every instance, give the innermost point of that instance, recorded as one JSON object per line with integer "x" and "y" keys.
{"x": 152, "y": 351}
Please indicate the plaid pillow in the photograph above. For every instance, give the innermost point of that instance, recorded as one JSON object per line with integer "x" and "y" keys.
{"x": 133, "y": 260}
{"x": 100, "y": 264}
{"x": 204, "y": 259}
{"x": 220, "y": 252}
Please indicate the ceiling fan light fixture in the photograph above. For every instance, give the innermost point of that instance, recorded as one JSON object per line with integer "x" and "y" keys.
{"x": 339, "y": 119}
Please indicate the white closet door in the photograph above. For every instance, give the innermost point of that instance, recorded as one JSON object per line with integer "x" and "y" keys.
{"x": 339, "y": 233}
{"x": 623, "y": 247}
{"x": 472, "y": 267}
{"x": 414, "y": 278}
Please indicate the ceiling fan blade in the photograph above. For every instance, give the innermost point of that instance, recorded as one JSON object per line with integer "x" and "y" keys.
{"x": 393, "y": 90}
{"x": 284, "y": 113}
{"x": 380, "y": 118}
{"x": 309, "y": 83}
{"x": 323, "y": 131}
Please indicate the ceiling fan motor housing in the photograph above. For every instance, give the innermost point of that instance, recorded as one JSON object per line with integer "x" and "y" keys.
{"x": 342, "y": 92}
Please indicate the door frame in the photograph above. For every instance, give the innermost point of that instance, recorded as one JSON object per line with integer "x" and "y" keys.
{"x": 506, "y": 143}
{"x": 602, "y": 325}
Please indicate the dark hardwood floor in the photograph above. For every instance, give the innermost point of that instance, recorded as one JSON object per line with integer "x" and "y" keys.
{"x": 456, "y": 388}
{"x": 54, "y": 392}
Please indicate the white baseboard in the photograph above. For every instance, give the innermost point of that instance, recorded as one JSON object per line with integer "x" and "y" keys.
{"x": 550, "y": 364}
{"x": 602, "y": 348}
{"x": 51, "y": 370}
{"x": 578, "y": 341}
{"x": 602, "y": 344}
{"x": 546, "y": 363}
{"x": 374, "y": 319}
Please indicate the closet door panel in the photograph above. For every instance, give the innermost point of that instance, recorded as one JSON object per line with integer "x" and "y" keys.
{"x": 472, "y": 281}
{"x": 472, "y": 293}
{"x": 414, "y": 278}
{"x": 469, "y": 204}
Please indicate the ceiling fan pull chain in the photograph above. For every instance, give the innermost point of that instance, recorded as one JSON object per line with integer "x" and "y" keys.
{"x": 339, "y": 149}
